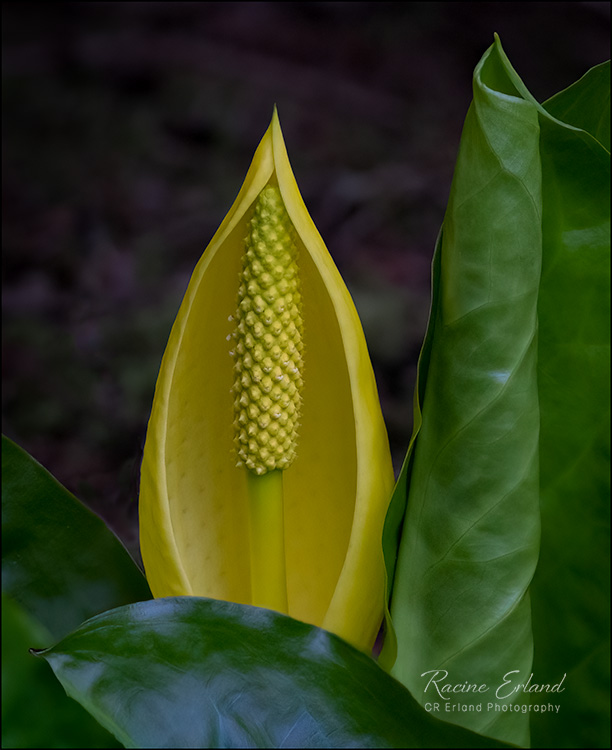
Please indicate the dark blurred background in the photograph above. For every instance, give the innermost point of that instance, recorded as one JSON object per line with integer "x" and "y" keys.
{"x": 127, "y": 131}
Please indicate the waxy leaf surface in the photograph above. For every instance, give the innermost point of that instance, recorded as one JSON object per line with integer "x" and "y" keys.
{"x": 59, "y": 560}
{"x": 471, "y": 531}
{"x": 192, "y": 672}
{"x": 512, "y": 421}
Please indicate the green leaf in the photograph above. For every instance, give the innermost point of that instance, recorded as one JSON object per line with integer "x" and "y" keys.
{"x": 571, "y": 588}
{"x": 470, "y": 535}
{"x": 526, "y": 183}
{"x": 586, "y": 104}
{"x": 193, "y": 672}
{"x": 35, "y": 709}
{"x": 59, "y": 560}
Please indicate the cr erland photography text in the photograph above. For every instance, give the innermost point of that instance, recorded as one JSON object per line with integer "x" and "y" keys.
{"x": 507, "y": 695}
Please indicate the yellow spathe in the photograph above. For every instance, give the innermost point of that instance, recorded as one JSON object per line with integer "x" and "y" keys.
{"x": 194, "y": 524}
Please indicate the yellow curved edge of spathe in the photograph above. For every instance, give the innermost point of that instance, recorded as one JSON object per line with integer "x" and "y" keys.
{"x": 161, "y": 558}
{"x": 356, "y": 610}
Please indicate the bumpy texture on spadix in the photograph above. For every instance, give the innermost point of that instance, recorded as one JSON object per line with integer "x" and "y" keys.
{"x": 268, "y": 340}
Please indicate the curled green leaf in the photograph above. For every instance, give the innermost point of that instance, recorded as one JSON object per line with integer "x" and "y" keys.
{"x": 470, "y": 539}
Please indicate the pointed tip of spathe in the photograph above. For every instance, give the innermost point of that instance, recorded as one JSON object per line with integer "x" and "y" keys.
{"x": 275, "y": 125}
{"x": 273, "y": 131}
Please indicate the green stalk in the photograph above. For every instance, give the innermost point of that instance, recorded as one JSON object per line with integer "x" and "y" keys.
{"x": 268, "y": 576}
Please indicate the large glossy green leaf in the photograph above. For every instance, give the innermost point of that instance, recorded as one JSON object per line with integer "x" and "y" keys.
{"x": 571, "y": 589}
{"x": 469, "y": 535}
{"x": 35, "y": 709}
{"x": 194, "y": 672}
{"x": 59, "y": 560}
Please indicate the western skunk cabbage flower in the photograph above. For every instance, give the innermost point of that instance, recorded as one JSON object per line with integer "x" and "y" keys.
{"x": 266, "y": 458}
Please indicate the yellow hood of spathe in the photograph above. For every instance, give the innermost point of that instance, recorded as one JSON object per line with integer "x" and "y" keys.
{"x": 194, "y": 527}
